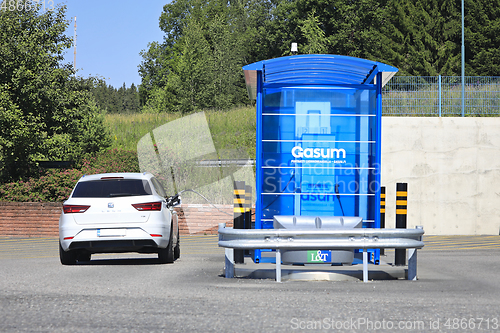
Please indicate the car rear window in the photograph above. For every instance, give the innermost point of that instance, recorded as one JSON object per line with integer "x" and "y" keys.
{"x": 112, "y": 188}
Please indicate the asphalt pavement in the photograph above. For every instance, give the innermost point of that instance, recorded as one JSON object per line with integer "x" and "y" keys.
{"x": 458, "y": 291}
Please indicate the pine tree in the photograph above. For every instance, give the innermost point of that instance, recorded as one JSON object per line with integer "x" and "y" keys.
{"x": 482, "y": 24}
{"x": 315, "y": 36}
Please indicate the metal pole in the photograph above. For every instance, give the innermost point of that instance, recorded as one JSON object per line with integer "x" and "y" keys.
{"x": 74, "y": 52}
{"x": 463, "y": 63}
{"x": 278, "y": 265}
{"x": 378, "y": 159}
{"x": 412, "y": 261}
{"x": 258, "y": 161}
{"x": 229, "y": 263}
{"x": 365, "y": 265}
{"x": 440, "y": 94}
{"x": 378, "y": 148}
{"x": 248, "y": 207}
{"x": 248, "y": 211}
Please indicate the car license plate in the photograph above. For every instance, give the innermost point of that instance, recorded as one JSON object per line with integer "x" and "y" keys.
{"x": 111, "y": 232}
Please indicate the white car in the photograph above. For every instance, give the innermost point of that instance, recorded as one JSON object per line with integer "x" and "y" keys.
{"x": 115, "y": 213}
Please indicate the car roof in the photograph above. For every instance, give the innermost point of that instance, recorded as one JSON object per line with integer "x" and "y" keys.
{"x": 124, "y": 175}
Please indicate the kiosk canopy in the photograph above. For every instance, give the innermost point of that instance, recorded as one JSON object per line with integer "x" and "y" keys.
{"x": 318, "y": 69}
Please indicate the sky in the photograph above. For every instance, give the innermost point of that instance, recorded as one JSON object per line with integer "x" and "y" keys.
{"x": 110, "y": 36}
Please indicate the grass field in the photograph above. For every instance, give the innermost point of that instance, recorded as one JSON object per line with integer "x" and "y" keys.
{"x": 233, "y": 133}
{"x": 234, "y": 129}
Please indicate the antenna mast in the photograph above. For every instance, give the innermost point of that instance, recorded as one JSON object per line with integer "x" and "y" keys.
{"x": 74, "y": 52}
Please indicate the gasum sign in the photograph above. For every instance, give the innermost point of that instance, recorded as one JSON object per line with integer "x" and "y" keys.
{"x": 318, "y": 155}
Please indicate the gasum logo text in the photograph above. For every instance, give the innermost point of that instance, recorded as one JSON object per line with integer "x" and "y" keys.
{"x": 299, "y": 152}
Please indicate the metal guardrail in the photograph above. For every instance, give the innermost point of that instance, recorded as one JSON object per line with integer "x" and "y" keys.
{"x": 318, "y": 239}
{"x": 226, "y": 163}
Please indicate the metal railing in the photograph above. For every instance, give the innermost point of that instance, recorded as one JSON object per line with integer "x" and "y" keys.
{"x": 317, "y": 239}
{"x": 441, "y": 96}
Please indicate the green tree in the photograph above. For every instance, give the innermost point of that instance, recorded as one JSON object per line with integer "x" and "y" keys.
{"x": 45, "y": 112}
{"x": 349, "y": 27}
{"x": 316, "y": 41}
{"x": 160, "y": 58}
{"x": 256, "y": 32}
{"x": 423, "y": 37}
{"x": 133, "y": 99}
{"x": 106, "y": 97}
{"x": 420, "y": 37}
{"x": 482, "y": 24}
{"x": 191, "y": 79}
{"x": 154, "y": 69}
{"x": 228, "y": 57}
{"x": 199, "y": 63}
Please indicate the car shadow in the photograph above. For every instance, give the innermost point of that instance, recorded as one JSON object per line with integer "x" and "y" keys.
{"x": 120, "y": 262}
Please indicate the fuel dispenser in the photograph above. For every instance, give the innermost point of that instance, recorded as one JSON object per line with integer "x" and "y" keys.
{"x": 318, "y": 139}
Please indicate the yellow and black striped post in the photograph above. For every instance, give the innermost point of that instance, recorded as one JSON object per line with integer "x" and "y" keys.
{"x": 248, "y": 207}
{"x": 401, "y": 212}
{"x": 382, "y": 212}
{"x": 239, "y": 216}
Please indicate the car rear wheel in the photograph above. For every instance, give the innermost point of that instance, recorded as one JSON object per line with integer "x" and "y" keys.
{"x": 67, "y": 257}
{"x": 177, "y": 249}
{"x": 166, "y": 255}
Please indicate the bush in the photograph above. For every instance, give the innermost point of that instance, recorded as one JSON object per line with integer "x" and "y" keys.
{"x": 56, "y": 185}
{"x": 114, "y": 160}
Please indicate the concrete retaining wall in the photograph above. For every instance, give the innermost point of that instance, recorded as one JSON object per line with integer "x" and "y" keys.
{"x": 452, "y": 167}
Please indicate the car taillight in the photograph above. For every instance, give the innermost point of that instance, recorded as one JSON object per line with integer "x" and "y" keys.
{"x": 70, "y": 209}
{"x": 148, "y": 206}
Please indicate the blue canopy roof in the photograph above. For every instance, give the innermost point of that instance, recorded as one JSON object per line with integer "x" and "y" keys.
{"x": 316, "y": 69}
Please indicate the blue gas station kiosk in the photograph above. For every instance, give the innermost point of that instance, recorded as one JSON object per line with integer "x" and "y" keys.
{"x": 318, "y": 137}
